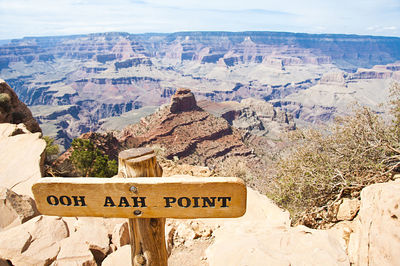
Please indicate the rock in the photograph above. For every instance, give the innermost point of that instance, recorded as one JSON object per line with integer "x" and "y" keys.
{"x": 21, "y": 160}
{"x": 376, "y": 238}
{"x": 333, "y": 77}
{"x": 17, "y": 242}
{"x": 255, "y": 116}
{"x": 4, "y": 263}
{"x": 74, "y": 252}
{"x": 96, "y": 238}
{"x": 263, "y": 236}
{"x": 182, "y": 101}
{"x": 120, "y": 235}
{"x": 188, "y": 236}
{"x": 120, "y": 257}
{"x": 348, "y": 209}
{"x": 93, "y": 235}
{"x": 6, "y": 130}
{"x": 13, "y": 111}
{"x": 35, "y": 242}
{"x": 263, "y": 210}
{"x": 171, "y": 168}
{"x": 265, "y": 245}
{"x": 15, "y": 209}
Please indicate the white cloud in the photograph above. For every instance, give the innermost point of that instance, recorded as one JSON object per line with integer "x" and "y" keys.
{"x": 48, "y": 17}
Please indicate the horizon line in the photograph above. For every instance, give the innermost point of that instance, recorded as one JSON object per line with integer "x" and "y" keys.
{"x": 200, "y": 31}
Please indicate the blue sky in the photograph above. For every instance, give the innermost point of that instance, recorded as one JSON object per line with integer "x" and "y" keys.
{"x": 19, "y": 18}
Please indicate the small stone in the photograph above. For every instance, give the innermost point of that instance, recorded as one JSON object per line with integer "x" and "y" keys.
{"x": 15, "y": 209}
{"x": 348, "y": 209}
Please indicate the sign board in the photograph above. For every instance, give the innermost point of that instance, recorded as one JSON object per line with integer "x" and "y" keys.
{"x": 172, "y": 197}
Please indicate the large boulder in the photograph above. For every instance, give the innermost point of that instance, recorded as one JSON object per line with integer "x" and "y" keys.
{"x": 15, "y": 209}
{"x": 13, "y": 111}
{"x": 74, "y": 252}
{"x": 376, "y": 235}
{"x": 260, "y": 244}
{"x": 36, "y": 242}
{"x": 263, "y": 236}
{"x": 21, "y": 158}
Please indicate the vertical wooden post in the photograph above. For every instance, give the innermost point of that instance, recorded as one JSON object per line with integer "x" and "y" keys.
{"x": 147, "y": 234}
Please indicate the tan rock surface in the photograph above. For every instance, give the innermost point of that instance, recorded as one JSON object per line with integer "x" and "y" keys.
{"x": 120, "y": 235}
{"x": 95, "y": 236}
{"x": 269, "y": 245}
{"x": 35, "y": 242}
{"x": 263, "y": 236}
{"x": 21, "y": 159}
{"x": 120, "y": 257}
{"x": 348, "y": 209}
{"x": 74, "y": 252}
{"x": 376, "y": 238}
{"x": 9, "y": 130}
{"x": 15, "y": 209}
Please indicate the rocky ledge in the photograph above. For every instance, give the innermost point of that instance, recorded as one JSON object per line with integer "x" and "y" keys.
{"x": 13, "y": 111}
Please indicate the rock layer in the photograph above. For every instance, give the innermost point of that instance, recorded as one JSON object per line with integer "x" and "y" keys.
{"x": 13, "y": 111}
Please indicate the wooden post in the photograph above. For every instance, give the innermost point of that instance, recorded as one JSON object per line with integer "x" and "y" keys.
{"x": 147, "y": 235}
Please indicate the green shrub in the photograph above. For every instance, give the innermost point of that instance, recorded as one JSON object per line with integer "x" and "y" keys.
{"x": 5, "y": 101}
{"x": 337, "y": 160}
{"x": 51, "y": 149}
{"x": 90, "y": 161}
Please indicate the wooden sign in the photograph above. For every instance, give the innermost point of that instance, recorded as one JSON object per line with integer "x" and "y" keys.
{"x": 172, "y": 197}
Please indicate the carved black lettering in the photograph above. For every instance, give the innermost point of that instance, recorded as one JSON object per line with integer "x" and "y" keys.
{"x": 208, "y": 200}
{"x": 184, "y": 205}
{"x": 196, "y": 202}
{"x": 123, "y": 202}
{"x": 224, "y": 201}
{"x": 52, "y": 200}
{"x": 139, "y": 200}
{"x": 65, "y": 200}
{"x": 109, "y": 202}
{"x": 80, "y": 201}
{"x": 169, "y": 201}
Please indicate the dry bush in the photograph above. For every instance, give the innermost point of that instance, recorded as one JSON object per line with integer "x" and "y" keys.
{"x": 326, "y": 164}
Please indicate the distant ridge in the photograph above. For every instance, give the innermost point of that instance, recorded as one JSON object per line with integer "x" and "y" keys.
{"x": 346, "y": 51}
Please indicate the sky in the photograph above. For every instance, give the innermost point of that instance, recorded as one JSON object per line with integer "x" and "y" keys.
{"x": 20, "y": 18}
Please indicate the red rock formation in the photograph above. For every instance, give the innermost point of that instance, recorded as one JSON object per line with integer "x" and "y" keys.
{"x": 13, "y": 111}
{"x": 182, "y": 101}
{"x": 186, "y": 131}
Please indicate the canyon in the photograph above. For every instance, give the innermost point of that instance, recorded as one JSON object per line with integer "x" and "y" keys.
{"x": 81, "y": 83}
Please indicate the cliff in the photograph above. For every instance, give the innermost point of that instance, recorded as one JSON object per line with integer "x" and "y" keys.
{"x": 87, "y": 79}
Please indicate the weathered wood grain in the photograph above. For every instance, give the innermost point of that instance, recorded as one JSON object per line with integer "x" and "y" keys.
{"x": 206, "y": 196}
{"x": 147, "y": 239}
